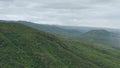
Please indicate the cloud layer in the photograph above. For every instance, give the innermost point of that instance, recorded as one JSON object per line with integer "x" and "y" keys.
{"x": 96, "y": 13}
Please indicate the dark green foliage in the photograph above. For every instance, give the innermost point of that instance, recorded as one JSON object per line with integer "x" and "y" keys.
{"x": 25, "y": 47}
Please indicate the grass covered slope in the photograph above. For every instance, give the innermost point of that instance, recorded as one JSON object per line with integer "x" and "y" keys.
{"x": 25, "y": 47}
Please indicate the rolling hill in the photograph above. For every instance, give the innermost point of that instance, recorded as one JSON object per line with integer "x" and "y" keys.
{"x": 25, "y": 47}
{"x": 105, "y": 36}
{"x": 101, "y": 37}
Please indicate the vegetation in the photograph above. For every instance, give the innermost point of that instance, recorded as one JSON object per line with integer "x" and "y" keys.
{"x": 24, "y": 47}
{"x": 108, "y": 37}
{"x": 101, "y": 37}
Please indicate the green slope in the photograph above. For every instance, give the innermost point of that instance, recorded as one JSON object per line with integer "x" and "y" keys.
{"x": 102, "y": 37}
{"x": 54, "y": 29}
{"x": 25, "y": 47}
{"x": 109, "y": 37}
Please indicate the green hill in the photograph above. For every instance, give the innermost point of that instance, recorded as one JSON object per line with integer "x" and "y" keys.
{"x": 102, "y": 37}
{"x": 106, "y": 36}
{"x": 24, "y": 47}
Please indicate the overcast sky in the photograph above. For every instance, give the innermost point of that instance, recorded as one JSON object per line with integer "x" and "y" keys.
{"x": 96, "y": 13}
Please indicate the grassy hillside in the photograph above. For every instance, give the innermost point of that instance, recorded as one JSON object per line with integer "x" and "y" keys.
{"x": 25, "y": 47}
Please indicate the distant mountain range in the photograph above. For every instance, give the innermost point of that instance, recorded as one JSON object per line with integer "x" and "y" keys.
{"x": 95, "y": 35}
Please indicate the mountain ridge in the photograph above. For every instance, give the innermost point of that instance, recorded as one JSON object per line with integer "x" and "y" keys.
{"x": 24, "y": 47}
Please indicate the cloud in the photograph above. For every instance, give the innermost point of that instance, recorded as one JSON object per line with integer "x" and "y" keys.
{"x": 6, "y": 0}
{"x": 96, "y": 13}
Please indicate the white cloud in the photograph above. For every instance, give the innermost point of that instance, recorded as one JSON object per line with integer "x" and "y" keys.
{"x": 96, "y": 13}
